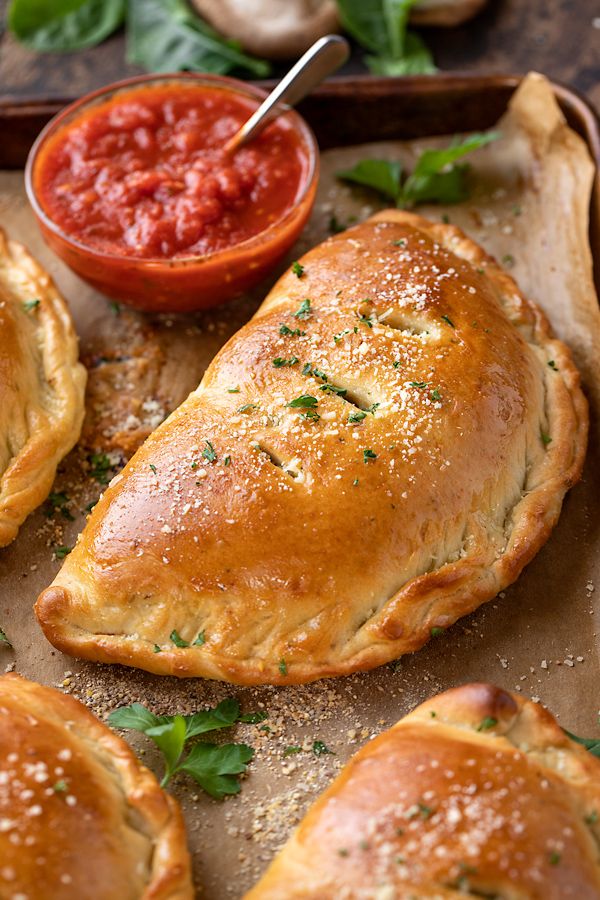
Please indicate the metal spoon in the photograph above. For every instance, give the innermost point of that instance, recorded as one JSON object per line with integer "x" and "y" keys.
{"x": 324, "y": 57}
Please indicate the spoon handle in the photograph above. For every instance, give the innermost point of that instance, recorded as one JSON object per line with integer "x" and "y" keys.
{"x": 324, "y": 57}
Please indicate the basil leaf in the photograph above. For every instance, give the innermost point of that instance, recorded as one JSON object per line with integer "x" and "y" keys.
{"x": 215, "y": 767}
{"x": 170, "y": 738}
{"x": 415, "y": 60}
{"x": 364, "y": 20}
{"x": 135, "y": 717}
{"x": 224, "y": 715}
{"x": 166, "y": 36}
{"x": 381, "y": 27}
{"x": 64, "y": 25}
{"x": 379, "y": 174}
{"x": 437, "y": 179}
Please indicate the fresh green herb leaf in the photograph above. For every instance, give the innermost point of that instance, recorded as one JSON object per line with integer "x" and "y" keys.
{"x": 553, "y": 365}
{"x": 379, "y": 174}
{"x": 449, "y": 321}
{"x": 166, "y": 36}
{"x": 209, "y": 452}
{"x": 396, "y": 364}
{"x": 134, "y": 718}
{"x": 487, "y": 723}
{"x": 200, "y": 640}
{"x": 320, "y": 749}
{"x": 304, "y": 310}
{"x": 247, "y": 407}
{"x": 64, "y": 25}
{"x": 508, "y": 260}
{"x": 591, "y": 744}
{"x": 30, "y": 305}
{"x": 400, "y": 243}
{"x": 420, "y": 385}
{"x": 291, "y": 332}
{"x": 368, "y": 454}
{"x": 157, "y": 648}
{"x": 381, "y": 27}
{"x": 304, "y": 401}
{"x": 435, "y": 394}
{"x": 311, "y": 414}
{"x": 436, "y": 178}
{"x": 283, "y": 667}
{"x": 153, "y": 468}
{"x": 61, "y": 552}
{"x": 3, "y": 639}
{"x": 233, "y": 390}
{"x": 546, "y": 439}
{"x": 356, "y": 417}
{"x": 373, "y": 407}
{"x": 355, "y": 482}
{"x": 177, "y": 639}
{"x": 214, "y": 767}
{"x": 279, "y": 362}
{"x": 297, "y": 269}
{"x": 290, "y": 751}
{"x": 227, "y": 461}
{"x": 60, "y": 787}
{"x": 436, "y": 631}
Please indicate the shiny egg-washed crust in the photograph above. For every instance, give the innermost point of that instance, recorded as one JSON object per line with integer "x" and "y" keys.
{"x": 80, "y": 817}
{"x": 477, "y": 792}
{"x": 42, "y": 385}
{"x": 285, "y": 546}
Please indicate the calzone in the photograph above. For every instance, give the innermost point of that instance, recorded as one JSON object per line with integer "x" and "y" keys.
{"x": 80, "y": 818}
{"x": 476, "y": 793}
{"x": 42, "y": 385}
{"x": 380, "y": 450}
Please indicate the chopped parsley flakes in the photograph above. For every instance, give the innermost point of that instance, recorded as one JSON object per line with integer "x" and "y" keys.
{"x": 368, "y": 454}
{"x": 304, "y": 310}
{"x": 209, "y": 452}
{"x": 304, "y": 401}
{"x": 279, "y": 362}
{"x": 297, "y": 269}
{"x": 291, "y": 332}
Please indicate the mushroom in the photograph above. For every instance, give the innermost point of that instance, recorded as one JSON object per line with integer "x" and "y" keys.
{"x": 283, "y": 29}
{"x": 276, "y": 29}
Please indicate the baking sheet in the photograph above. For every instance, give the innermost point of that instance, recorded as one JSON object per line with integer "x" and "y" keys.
{"x": 529, "y": 207}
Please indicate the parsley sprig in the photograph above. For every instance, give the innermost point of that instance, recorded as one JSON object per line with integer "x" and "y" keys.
{"x": 591, "y": 744}
{"x": 215, "y": 767}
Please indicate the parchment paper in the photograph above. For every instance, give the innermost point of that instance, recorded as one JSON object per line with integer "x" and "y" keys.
{"x": 529, "y": 206}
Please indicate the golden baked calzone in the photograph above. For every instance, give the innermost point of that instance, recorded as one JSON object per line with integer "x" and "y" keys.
{"x": 41, "y": 385}
{"x": 381, "y": 449}
{"x": 80, "y": 818}
{"x": 476, "y": 793}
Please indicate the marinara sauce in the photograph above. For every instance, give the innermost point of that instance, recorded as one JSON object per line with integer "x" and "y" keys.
{"x": 143, "y": 174}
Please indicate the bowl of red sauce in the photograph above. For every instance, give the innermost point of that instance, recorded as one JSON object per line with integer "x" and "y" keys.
{"x": 132, "y": 188}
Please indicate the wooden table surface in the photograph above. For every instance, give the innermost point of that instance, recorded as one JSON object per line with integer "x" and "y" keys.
{"x": 558, "y": 37}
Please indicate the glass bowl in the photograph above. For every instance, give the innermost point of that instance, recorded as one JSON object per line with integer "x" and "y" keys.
{"x": 182, "y": 283}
